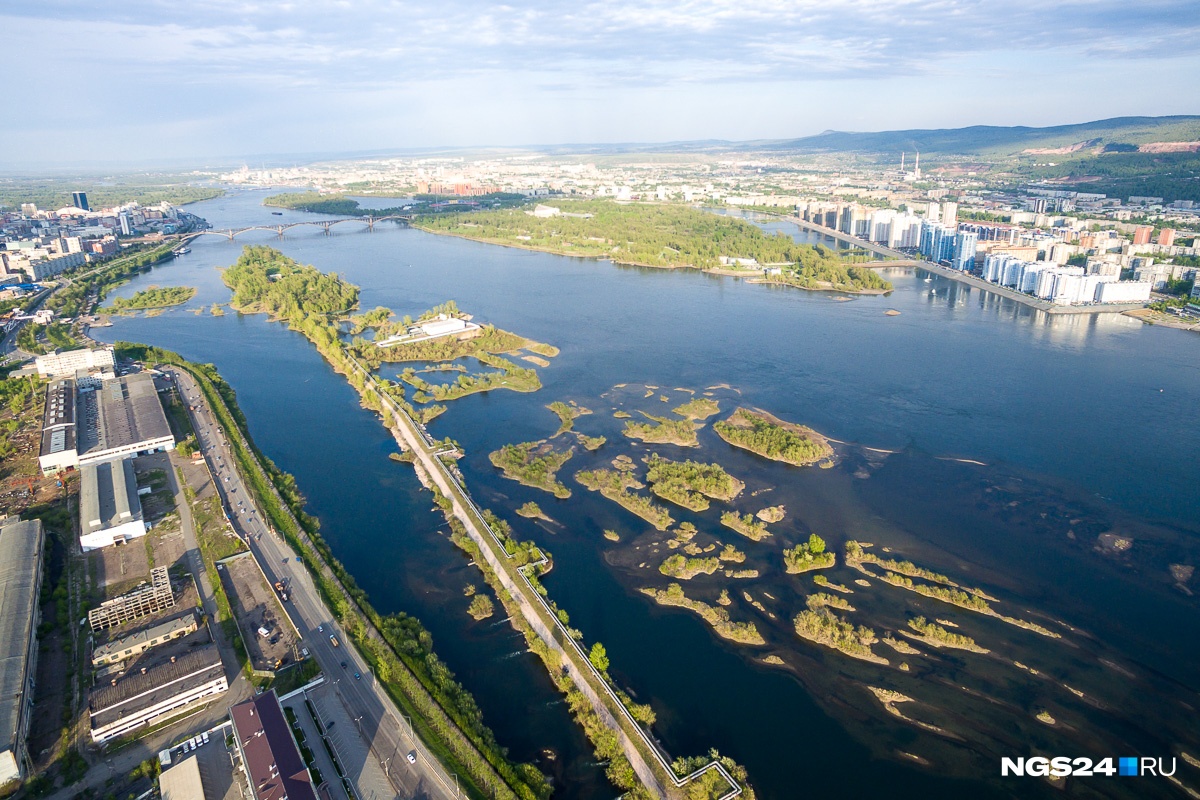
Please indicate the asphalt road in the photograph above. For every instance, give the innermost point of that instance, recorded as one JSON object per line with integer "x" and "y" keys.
{"x": 379, "y": 721}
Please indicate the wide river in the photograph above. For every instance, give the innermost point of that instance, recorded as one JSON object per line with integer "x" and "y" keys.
{"x": 1096, "y": 415}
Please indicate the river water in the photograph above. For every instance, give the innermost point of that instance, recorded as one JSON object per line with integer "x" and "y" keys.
{"x": 1080, "y": 425}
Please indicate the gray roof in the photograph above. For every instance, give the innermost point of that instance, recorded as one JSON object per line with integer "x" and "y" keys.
{"x": 139, "y": 637}
{"x": 108, "y": 495}
{"x": 123, "y": 411}
{"x": 140, "y": 690}
{"x": 20, "y": 574}
{"x": 58, "y": 425}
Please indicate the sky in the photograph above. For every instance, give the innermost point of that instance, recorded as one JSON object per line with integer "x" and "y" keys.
{"x": 144, "y": 80}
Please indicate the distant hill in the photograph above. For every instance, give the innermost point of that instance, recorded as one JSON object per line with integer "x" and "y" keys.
{"x": 1115, "y": 135}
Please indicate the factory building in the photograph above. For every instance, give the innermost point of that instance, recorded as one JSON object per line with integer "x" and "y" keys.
{"x": 154, "y": 694}
{"x": 66, "y": 364}
{"x": 89, "y": 421}
{"x": 20, "y": 582}
{"x": 269, "y": 754}
{"x": 109, "y": 509}
{"x": 132, "y": 645}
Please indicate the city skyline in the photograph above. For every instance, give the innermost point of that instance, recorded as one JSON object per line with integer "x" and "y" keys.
{"x": 155, "y": 81}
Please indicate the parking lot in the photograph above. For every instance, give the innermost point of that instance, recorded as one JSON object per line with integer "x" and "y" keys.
{"x": 256, "y": 606}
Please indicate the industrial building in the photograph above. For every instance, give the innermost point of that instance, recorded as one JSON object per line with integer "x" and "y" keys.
{"x": 20, "y": 582}
{"x": 145, "y": 599}
{"x": 101, "y": 421}
{"x": 59, "y": 449}
{"x": 149, "y": 696}
{"x": 66, "y": 364}
{"x": 109, "y": 509}
{"x": 270, "y": 757}
{"x": 132, "y": 645}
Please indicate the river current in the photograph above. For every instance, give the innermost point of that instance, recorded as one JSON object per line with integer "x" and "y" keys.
{"x": 1080, "y": 426}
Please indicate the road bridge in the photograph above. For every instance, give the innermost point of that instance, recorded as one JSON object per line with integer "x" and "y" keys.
{"x": 324, "y": 224}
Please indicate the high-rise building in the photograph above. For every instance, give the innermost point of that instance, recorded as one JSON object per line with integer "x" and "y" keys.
{"x": 964, "y": 250}
{"x": 126, "y": 224}
{"x": 1141, "y": 234}
{"x": 1166, "y": 237}
{"x": 949, "y": 214}
{"x": 79, "y": 200}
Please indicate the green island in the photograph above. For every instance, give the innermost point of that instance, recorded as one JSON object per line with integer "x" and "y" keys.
{"x": 962, "y": 599}
{"x": 690, "y": 483}
{"x": 667, "y": 431}
{"x": 808, "y": 556}
{"x": 825, "y": 628}
{"x": 567, "y": 414}
{"x": 825, "y": 600}
{"x": 900, "y": 646}
{"x": 533, "y": 464}
{"x": 747, "y": 526}
{"x": 856, "y": 554}
{"x": 770, "y": 437}
{"x": 616, "y": 486}
{"x": 937, "y": 636}
{"x": 481, "y": 607}
{"x": 532, "y": 510}
{"x": 718, "y": 618}
{"x": 700, "y": 408}
{"x": 591, "y": 443}
{"x": 822, "y": 581}
{"x": 153, "y": 297}
{"x": 731, "y": 554}
{"x": 658, "y": 236}
{"x": 684, "y": 568}
{"x": 772, "y": 514}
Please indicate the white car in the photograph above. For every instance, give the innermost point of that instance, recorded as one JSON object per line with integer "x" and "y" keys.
{"x": 412, "y": 757}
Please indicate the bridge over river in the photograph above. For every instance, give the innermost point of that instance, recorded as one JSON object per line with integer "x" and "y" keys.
{"x": 325, "y": 224}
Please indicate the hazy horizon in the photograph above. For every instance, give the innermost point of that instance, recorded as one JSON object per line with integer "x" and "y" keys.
{"x": 150, "y": 82}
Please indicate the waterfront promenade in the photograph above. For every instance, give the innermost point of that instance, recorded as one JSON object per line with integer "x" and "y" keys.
{"x": 962, "y": 277}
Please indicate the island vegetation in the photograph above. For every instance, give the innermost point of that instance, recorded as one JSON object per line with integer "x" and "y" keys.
{"x": 771, "y": 514}
{"x": 937, "y": 636}
{"x": 567, "y": 414}
{"x": 684, "y": 568}
{"x": 808, "y": 555}
{"x": 667, "y": 431}
{"x": 481, "y": 607}
{"x": 533, "y": 464}
{"x": 690, "y": 483}
{"x": 772, "y": 438}
{"x": 821, "y": 600}
{"x": 825, "y": 628}
{"x": 616, "y": 485}
{"x": 153, "y": 297}
{"x": 591, "y": 443}
{"x": 731, "y": 554}
{"x": 532, "y": 510}
{"x": 700, "y": 408}
{"x": 657, "y": 235}
{"x": 746, "y": 525}
{"x": 718, "y": 618}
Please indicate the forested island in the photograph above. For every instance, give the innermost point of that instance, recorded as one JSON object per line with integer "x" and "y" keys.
{"x": 657, "y": 236}
{"x": 616, "y": 485}
{"x": 769, "y": 437}
{"x": 690, "y": 483}
{"x": 533, "y": 464}
{"x": 718, "y": 618}
{"x": 665, "y": 431}
{"x": 153, "y": 297}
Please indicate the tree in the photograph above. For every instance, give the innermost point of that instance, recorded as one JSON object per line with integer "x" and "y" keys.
{"x": 599, "y": 657}
{"x": 816, "y": 545}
